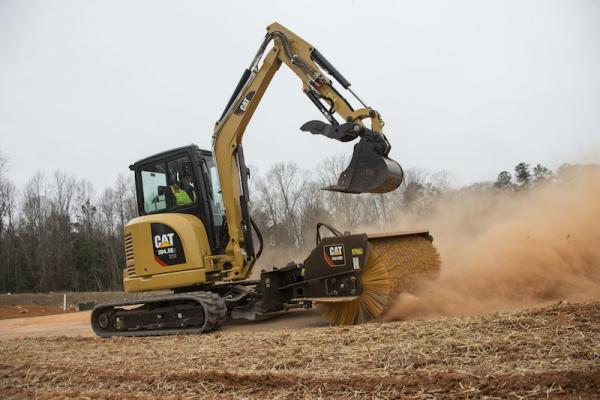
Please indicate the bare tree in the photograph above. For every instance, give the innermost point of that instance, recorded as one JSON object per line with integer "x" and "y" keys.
{"x": 4, "y": 193}
{"x": 442, "y": 180}
{"x": 125, "y": 202}
{"x": 35, "y": 239}
{"x": 281, "y": 191}
{"x": 62, "y": 191}
{"x": 266, "y": 205}
{"x": 346, "y": 210}
{"x": 7, "y": 209}
{"x": 313, "y": 210}
{"x": 414, "y": 187}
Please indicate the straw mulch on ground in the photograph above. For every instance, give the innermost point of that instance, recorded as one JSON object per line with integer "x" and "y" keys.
{"x": 552, "y": 352}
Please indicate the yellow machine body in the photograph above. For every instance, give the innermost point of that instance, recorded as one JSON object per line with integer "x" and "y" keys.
{"x": 145, "y": 271}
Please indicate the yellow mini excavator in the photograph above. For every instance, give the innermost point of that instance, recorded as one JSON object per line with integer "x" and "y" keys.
{"x": 195, "y": 237}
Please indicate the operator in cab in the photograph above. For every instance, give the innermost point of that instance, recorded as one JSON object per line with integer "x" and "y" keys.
{"x": 182, "y": 187}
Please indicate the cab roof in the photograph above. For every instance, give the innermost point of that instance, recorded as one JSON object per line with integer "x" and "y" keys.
{"x": 167, "y": 153}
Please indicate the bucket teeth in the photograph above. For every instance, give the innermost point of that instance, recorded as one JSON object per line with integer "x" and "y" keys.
{"x": 395, "y": 265}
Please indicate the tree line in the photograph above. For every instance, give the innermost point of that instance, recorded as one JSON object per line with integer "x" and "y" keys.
{"x": 58, "y": 233}
{"x": 524, "y": 176}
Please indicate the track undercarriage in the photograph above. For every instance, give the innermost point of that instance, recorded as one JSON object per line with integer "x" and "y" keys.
{"x": 196, "y": 312}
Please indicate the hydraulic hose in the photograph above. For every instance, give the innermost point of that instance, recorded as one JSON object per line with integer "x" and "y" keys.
{"x": 259, "y": 236}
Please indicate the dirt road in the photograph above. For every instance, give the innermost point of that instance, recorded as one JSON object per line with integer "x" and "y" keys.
{"x": 78, "y": 324}
{"x": 29, "y": 310}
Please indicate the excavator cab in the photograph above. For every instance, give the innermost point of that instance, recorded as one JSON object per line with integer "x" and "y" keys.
{"x": 182, "y": 180}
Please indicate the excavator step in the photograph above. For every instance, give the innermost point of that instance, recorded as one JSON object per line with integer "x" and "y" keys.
{"x": 196, "y": 312}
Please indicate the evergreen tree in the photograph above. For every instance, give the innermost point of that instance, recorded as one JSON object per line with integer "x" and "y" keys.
{"x": 504, "y": 180}
{"x": 541, "y": 173}
{"x": 522, "y": 174}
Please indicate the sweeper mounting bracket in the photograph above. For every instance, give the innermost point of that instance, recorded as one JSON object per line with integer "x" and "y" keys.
{"x": 331, "y": 272}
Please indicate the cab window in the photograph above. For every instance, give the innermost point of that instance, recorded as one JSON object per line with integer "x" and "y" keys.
{"x": 168, "y": 185}
{"x": 182, "y": 188}
{"x": 154, "y": 182}
{"x": 216, "y": 198}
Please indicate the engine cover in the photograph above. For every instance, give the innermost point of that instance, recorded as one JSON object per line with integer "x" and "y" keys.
{"x": 165, "y": 251}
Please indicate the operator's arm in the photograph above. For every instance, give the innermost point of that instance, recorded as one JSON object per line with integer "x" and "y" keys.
{"x": 370, "y": 170}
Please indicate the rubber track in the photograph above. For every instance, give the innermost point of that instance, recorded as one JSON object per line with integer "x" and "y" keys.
{"x": 215, "y": 314}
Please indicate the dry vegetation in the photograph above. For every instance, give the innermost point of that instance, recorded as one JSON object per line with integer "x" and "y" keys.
{"x": 553, "y": 351}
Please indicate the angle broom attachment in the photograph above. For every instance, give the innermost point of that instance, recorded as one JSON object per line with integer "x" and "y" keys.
{"x": 397, "y": 263}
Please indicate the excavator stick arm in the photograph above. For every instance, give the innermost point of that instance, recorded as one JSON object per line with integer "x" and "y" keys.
{"x": 370, "y": 169}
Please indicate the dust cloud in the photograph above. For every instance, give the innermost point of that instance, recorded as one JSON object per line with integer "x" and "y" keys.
{"x": 504, "y": 250}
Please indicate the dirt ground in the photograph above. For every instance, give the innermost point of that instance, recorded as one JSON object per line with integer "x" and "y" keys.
{"x": 549, "y": 352}
{"x": 78, "y": 324}
{"x": 73, "y": 298}
{"x": 29, "y": 310}
{"x": 25, "y": 305}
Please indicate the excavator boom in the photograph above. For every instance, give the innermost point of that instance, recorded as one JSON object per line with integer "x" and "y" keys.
{"x": 370, "y": 170}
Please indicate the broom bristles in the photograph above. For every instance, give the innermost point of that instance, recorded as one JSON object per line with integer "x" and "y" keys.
{"x": 395, "y": 265}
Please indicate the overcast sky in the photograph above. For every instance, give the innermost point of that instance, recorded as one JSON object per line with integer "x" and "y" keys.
{"x": 472, "y": 87}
